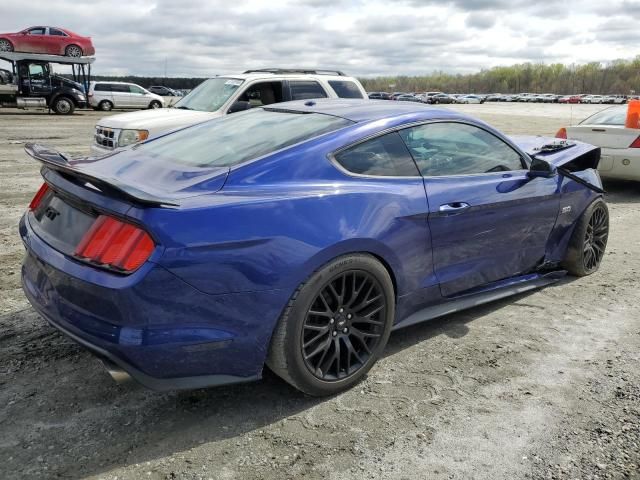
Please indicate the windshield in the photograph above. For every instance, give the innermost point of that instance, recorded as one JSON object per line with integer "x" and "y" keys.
{"x": 210, "y": 95}
{"x": 234, "y": 139}
{"x": 610, "y": 116}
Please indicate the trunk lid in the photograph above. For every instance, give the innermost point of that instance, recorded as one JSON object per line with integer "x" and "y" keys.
{"x": 140, "y": 179}
{"x": 605, "y": 136}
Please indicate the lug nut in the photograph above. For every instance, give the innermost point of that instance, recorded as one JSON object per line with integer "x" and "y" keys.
{"x": 345, "y": 330}
{"x": 349, "y": 316}
{"x": 341, "y": 310}
{"x": 332, "y": 321}
{"x": 334, "y": 333}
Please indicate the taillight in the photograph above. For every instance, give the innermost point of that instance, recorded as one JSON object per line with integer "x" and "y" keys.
{"x": 115, "y": 244}
{"x": 562, "y": 133}
{"x": 42, "y": 191}
{"x": 636, "y": 143}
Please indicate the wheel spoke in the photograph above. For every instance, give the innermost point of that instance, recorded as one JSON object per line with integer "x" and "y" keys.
{"x": 335, "y": 350}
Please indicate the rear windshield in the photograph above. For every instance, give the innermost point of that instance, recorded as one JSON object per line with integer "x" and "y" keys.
{"x": 236, "y": 138}
{"x": 610, "y": 116}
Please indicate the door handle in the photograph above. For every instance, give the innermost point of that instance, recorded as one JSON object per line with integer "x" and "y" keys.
{"x": 454, "y": 207}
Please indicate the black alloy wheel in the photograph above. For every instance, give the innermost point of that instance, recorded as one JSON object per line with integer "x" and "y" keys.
{"x": 335, "y": 326}
{"x": 595, "y": 240}
{"x": 343, "y": 326}
{"x": 589, "y": 240}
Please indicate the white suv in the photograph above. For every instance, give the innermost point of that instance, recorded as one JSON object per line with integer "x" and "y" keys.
{"x": 220, "y": 96}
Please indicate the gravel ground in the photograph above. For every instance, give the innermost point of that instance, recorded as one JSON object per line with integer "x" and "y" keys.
{"x": 544, "y": 385}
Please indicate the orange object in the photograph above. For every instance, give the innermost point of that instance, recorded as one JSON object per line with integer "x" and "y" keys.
{"x": 633, "y": 114}
{"x": 562, "y": 133}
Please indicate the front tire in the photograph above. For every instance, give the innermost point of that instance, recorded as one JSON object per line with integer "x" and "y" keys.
{"x": 588, "y": 241}
{"x": 63, "y": 106}
{"x": 335, "y": 327}
{"x": 155, "y": 104}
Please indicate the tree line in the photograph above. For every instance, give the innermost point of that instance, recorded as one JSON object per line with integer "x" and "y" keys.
{"x": 616, "y": 77}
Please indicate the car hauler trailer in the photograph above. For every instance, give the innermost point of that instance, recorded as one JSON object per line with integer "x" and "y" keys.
{"x": 30, "y": 83}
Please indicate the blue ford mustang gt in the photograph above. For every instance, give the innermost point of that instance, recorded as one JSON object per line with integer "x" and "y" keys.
{"x": 298, "y": 236}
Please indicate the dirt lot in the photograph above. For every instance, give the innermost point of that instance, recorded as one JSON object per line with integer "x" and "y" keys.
{"x": 544, "y": 385}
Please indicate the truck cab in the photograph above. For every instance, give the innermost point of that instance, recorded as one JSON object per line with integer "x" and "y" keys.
{"x": 31, "y": 83}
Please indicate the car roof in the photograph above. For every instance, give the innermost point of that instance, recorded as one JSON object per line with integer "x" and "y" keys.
{"x": 360, "y": 110}
{"x": 275, "y": 76}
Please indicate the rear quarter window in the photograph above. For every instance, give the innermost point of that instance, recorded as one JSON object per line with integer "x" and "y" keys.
{"x": 345, "y": 89}
{"x": 384, "y": 156}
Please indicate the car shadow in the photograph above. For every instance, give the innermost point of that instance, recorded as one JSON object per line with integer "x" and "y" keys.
{"x": 129, "y": 424}
{"x": 621, "y": 191}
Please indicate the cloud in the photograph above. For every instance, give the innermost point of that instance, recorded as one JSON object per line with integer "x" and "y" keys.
{"x": 376, "y": 37}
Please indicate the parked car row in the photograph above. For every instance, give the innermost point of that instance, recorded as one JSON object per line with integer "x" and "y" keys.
{"x": 428, "y": 97}
{"x": 554, "y": 98}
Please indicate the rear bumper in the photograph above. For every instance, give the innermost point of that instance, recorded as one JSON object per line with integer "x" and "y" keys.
{"x": 164, "y": 333}
{"x": 620, "y": 163}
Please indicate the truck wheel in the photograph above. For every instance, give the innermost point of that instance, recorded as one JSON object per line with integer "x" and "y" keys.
{"x": 105, "y": 105}
{"x": 5, "y": 45}
{"x": 73, "y": 51}
{"x": 155, "y": 104}
{"x": 63, "y": 106}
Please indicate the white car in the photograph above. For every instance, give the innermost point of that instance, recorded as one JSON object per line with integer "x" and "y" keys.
{"x": 221, "y": 96}
{"x": 469, "y": 99}
{"x": 109, "y": 95}
{"x": 620, "y": 146}
{"x": 593, "y": 99}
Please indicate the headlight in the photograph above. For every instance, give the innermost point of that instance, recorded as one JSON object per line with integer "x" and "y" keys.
{"x": 129, "y": 137}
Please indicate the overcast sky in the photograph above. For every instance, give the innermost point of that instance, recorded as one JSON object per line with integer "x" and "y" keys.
{"x": 364, "y": 38}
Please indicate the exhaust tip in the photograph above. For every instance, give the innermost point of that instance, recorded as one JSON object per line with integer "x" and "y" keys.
{"x": 117, "y": 373}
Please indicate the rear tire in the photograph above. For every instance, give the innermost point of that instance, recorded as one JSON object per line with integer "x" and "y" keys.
{"x": 588, "y": 241}
{"x": 63, "y": 106}
{"x": 73, "y": 51}
{"x": 105, "y": 106}
{"x": 5, "y": 45}
{"x": 335, "y": 326}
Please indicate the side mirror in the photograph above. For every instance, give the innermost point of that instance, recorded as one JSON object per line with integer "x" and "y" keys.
{"x": 239, "y": 106}
{"x": 541, "y": 168}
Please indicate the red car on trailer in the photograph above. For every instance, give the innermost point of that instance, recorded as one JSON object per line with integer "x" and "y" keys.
{"x": 48, "y": 40}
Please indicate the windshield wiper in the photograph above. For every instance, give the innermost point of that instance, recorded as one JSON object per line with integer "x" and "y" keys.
{"x": 182, "y": 107}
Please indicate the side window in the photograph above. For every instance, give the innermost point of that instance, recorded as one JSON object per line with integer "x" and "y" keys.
{"x": 384, "y": 156}
{"x": 136, "y": 89}
{"x": 442, "y": 149}
{"x": 55, "y": 31}
{"x": 345, "y": 89}
{"x": 37, "y": 31}
{"x": 303, "y": 90}
{"x": 117, "y": 87}
{"x": 36, "y": 71}
{"x": 263, "y": 93}
{"x": 102, "y": 87}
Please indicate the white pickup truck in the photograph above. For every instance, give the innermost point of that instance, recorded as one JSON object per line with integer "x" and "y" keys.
{"x": 221, "y": 96}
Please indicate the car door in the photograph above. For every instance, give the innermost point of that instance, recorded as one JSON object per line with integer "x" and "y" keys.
{"x": 39, "y": 80}
{"x": 138, "y": 97}
{"x": 488, "y": 220}
{"x": 35, "y": 40}
{"x": 121, "y": 95}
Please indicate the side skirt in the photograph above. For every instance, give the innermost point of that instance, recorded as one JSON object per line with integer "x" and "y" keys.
{"x": 489, "y": 293}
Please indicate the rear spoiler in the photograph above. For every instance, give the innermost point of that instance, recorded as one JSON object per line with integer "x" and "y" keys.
{"x": 55, "y": 160}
